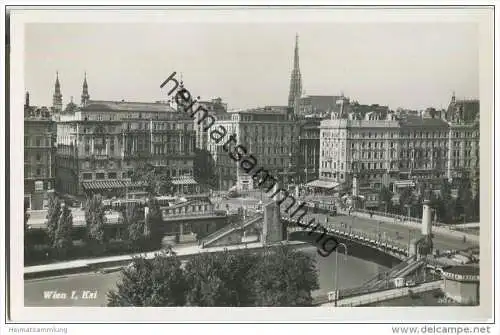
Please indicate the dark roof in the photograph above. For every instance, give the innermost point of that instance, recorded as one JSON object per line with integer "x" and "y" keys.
{"x": 263, "y": 110}
{"x": 417, "y": 121}
{"x": 468, "y": 270}
{"x": 131, "y": 106}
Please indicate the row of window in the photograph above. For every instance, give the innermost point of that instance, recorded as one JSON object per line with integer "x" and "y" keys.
{"x": 268, "y": 139}
{"x": 358, "y": 155}
{"x": 332, "y": 175}
{"x": 38, "y": 171}
{"x": 466, "y": 163}
{"x": 381, "y": 165}
{"x": 466, "y": 134}
{"x": 38, "y": 141}
{"x": 172, "y": 126}
{"x": 266, "y": 128}
{"x": 420, "y": 154}
{"x": 37, "y": 158}
{"x": 187, "y": 209}
{"x": 369, "y": 135}
{"x": 269, "y": 150}
{"x": 171, "y": 150}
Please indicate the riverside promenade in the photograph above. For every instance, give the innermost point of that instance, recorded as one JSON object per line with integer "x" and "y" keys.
{"x": 384, "y": 295}
{"x": 101, "y": 263}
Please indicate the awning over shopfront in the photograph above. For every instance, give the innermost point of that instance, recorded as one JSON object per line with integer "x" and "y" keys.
{"x": 134, "y": 183}
{"x": 184, "y": 180}
{"x": 102, "y": 184}
{"x": 322, "y": 184}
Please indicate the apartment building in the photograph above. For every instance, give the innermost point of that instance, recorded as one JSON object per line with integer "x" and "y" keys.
{"x": 100, "y": 146}
{"x": 39, "y": 155}
{"x": 270, "y": 134}
{"x": 393, "y": 151}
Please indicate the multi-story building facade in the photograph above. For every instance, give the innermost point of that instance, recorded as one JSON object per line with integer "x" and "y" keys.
{"x": 214, "y": 107}
{"x": 309, "y": 149}
{"x": 204, "y": 171}
{"x": 391, "y": 151}
{"x": 463, "y": 140}
{"x": 103, "y": 143}
{"x": 39, "y": 155}
{"x": 270, "y": 134}
{"x": 367, "y": 149}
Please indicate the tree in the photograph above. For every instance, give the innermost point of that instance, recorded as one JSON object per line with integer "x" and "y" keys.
{"x": 446, "y": 208}
{"x": 164, "y": 183}
{"x": 63, "y": 237}
{"x": 153, "y": 282}
{"x": 477, "y": 207}
{"x": 145, "y": 173}
{"x": 385, "y": 198}
{"x": 406, "y": 198}
{"x": 95, "y": 219}
{"x": 133, "y": 218}
{"x": 204, "y": 168}
{"x": 220, "y": 279}
{"x": 284, "y": 277}
{"x": 53, "y": 215}
{"x": 464, "y": 203}
{"x": 154, "y": 222}
{"x": 156, "y": 181}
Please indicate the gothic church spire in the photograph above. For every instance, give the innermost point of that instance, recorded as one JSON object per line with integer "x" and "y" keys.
{"x": 57, "y": 97}
{"x": 295, "y": 79}
{"x": 85, "y": 91}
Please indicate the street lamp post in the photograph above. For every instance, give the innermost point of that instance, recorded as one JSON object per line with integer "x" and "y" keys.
{"x": 337, "y": 269}
{"x": 408, "y": 207}
{"x": 409, "y": 240}
{"x": 378, "y": 231}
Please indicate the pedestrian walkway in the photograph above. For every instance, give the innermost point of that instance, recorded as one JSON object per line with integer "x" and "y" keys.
{"x": 383, "y": 295}
{"x": 102, "y": 262}
{"x": 223, "y": 232}
{"x": 435, "y": 230}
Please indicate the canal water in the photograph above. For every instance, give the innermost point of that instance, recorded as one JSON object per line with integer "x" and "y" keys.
{"x": 353, "y": 272}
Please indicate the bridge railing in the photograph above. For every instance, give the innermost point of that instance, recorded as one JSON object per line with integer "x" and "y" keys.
{"x": 391, "y": 294}
{"x": 383, "y": 274}
{"x": 354, "y": 234}
{"x": 229, "y": 227}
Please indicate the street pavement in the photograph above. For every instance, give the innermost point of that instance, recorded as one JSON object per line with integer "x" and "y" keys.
{"x": 393, "y": 231}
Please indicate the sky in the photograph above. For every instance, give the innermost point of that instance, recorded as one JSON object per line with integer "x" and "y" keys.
{"x": 409, "y": 65}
